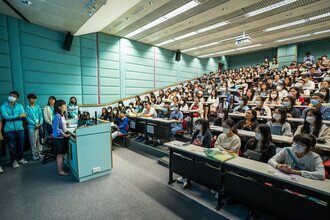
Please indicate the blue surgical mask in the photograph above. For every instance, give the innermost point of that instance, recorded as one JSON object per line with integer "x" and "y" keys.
{"x": 327, "y": 78}
{"x": 241, "y": 102}
{"x": 298, "y": 148}
{"x": 315, "y": 102}
{"x": 287, "y": 103}
{"x": 258, "y": 136}
{"x": 225, "y": 130}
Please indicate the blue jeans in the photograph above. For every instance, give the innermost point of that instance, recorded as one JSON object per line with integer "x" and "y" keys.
{"x": 15, "y": 142}
{"x": 175, "y": 129}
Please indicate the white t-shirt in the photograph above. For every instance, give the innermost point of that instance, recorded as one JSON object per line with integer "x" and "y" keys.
{"x": 152, "y": 111}
{"x": 64, "y": 128}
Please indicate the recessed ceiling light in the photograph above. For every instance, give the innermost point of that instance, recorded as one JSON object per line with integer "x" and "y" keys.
{"x": 322, "y": 32}
{"x": 110, "y": 29}
{"x": 27, "y": 3}
{"x": 151, "y": 3}
{"x": 127, "y": 18}
{"x": 286, "y": 25}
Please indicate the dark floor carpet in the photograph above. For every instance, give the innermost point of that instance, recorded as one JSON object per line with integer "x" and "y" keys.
{"x": 135, "y": 189}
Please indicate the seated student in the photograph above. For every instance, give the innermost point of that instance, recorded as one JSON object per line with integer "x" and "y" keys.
{"x": 262, "y": 109}
{"x": 49, "y": 114}
{"x": 313, "y": 125}
{"x": 273, "y": 99}
{"x": 121, "y": 106}
{"x": 250, "y": 122}
{"x": 137, "y": 100}
{"x": 202, "y": 136}
{"x": 309, "y": 84}
{"x": 149, "y": 111}
{"x": 109, "y": 110}
{"x": 175, "y": 100}
{"x": 326, "y": 93}
{"x": 242, "y": 105}
{"x": 229, "y": 140}
{"x": 159, "y": 102}
{"x": 197, "y": 105}
{"x": 264, "y": 91}
{"x": 317, "y": 100}
{"x": 73, "y": 108}
{"x": 177, "y": 115}
{"x": 282, "y": 92}
{"x": 295, "y": 93}
{"x": 278, "y": 125}
{"x": 222, "y": 116}
{"x": 291, "y": 111}
{"x": 60, "y": 131}
{"x": 122, "y": 127}
{"x": 184, "y": 106}
{"x": 14, "y": 114}
{"x": 215, "y": 102}
{"x": 299, "y": 159}
{"x": 104, "y": 114}
{"x": 250, "y": 94}
{"x": 35, "y": 120}
{"x": 262, "y": 143}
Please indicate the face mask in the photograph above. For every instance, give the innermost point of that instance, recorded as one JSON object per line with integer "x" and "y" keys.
{"x": 323, "y": 93}
{"x": 225, "y": 130}
{"x": 299, "y": 85}
{"x": 310, "y": 119}
{"x": 255, "y": 88}
{"x": 258, "y": 136}
{"x": 11, "y": 99}
{"x": 120, "y": 105}
{"x": 273, "y": 96}
{"x": 199, "y": 127}
{"x": 327, "y": 78}
{"x": 72, "y": 102}
{"x": 146, "y": 99}
{"x": 115, "y": 112}
{"x": 287, "y": 104}
{"x": 221, "y": 115}
{"x": 277, "y": 116}
{"x": 258, "y": 102}
{"x": 298, "y": 148}
{"x": 315, "y": 102}
{"x": 131, "y": 106}
{"x": 278, "y": 87}
{"x": 175, "y": 108}
{"x": 240, "y": 102}
{"x": 158, "y": 100}
{"x": 109, "y": 110}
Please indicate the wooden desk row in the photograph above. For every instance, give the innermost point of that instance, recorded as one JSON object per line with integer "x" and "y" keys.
{"x": 244, "y": 180}
{"x": 293, "y": 120}
{"x": 276, "y": 138}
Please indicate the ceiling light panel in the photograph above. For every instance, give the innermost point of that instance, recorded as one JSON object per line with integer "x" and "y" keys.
{"x": 164, "y": 18}
{"x": 286, "y": 25}
{"x": 293, "y": 38}
{"x": 269, "y": 8}
{"x": 322, "y": 32}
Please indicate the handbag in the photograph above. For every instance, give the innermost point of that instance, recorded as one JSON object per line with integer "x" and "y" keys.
{"x": 41, "y": 135}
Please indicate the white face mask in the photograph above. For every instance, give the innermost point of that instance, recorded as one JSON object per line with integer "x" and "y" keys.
{"x": 258, "y": 136}
{"x": 221, "y": 115}
{"x": 298, "y": 148}
{"x": 241, "y": 102}
{"x": 199, "y": 127}
{"x": 225, "y": 130}
{"x": 310, "y": 119}
{"x": 277, "y": 116}
{"x": 115, "y": 112}
{"x": 273, "y": 96}
{"x": 258, "y": 102}
{"x": 131, "y": 106}
{"x": 11, "y": 99}
{"x": 299, "y": 85}
{"x": 120, "y": 105}
{"x": 323, "y": 93}
{"x": 278, "y": 87}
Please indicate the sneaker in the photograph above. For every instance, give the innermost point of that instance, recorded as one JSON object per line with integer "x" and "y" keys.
{"x": 1, "y": 170}
{"x": 23, "y": 161}
{"x": 213, "y": 191}
{"x": 186, "y": 184}
{"x": 15, "y": 164}
{"x": 138, "y": 138}
{"x": 41, "y": 156}
{"x": 180, "y": 180}
{"x": 216, "y": 195}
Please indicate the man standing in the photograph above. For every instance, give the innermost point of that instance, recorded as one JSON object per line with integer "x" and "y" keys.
{"x": 14, "y": 113}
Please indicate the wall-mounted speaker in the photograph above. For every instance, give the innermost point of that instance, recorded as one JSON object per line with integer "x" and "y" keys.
{"x": 68, "y": 41}
{"x": 178, "y": 55}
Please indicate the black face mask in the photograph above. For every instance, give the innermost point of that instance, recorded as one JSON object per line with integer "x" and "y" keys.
{"x": 72, "y": 103}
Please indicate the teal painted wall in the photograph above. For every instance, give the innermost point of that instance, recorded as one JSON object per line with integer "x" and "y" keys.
{"x": 286, "y": 54}
{"x": 317, "y": 48}
{"x": 99, "y": 67}
{"x": 250, "y": 59}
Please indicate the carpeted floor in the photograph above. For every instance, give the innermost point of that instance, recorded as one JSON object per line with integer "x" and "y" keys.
{"x": 136, "y": 189}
